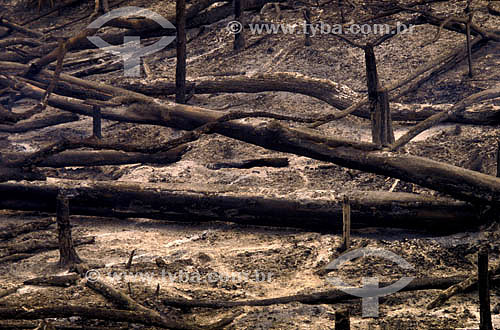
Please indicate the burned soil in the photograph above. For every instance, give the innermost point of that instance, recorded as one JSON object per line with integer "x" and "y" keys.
{"x": 275, "y": 261}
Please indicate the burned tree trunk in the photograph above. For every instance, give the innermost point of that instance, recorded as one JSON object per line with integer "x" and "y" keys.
{"x": 484, "y": 290}
{"x": 180, "y": 73}
{"x": 239, "y": 36}
{"x": 382, "y": 134}
{"x": 177, "y": 203}
{"x": 67, "y": 252}
{"x": 456, "y": 181}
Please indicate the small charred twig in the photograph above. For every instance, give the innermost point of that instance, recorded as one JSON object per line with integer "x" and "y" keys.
{"x": 129, "y": 262}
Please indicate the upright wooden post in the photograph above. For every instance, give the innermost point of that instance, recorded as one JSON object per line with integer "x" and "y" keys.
{"x": 342, "y": 321}
{"x": 67, "y": 252}
{"x": 180, "y": 73}
{"x": 307, "y": 34}
{"x": 130, "y": 259}
{"x": 239, "y": 37}
{"x": 372, "y": 84}
{"x": 346, "y": 220}
{"x": 498, "y": 159}
{"x": 484, "y": 290}
{"x": 468, "y": 38}
{"x": 382, "y": 132}
{"x": 340, "y": 3}
{"x": 96, "y": 122}
{"x": 383, "y": 114}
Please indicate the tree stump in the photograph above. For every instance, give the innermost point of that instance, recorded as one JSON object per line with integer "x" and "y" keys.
{"x": 180, "y": 73}
{"x": 484, "y": 290}
{"x": 239, "y": 37}
{"x": 67, "y": 252}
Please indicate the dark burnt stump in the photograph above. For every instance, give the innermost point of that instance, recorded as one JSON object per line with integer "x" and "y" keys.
{"x": 67, "y": 252}
{"x": 484, "y": 290}
{"x": 180, "y": 73}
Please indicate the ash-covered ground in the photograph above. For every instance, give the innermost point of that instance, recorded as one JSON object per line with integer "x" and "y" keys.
{"x": 289, "y": 258}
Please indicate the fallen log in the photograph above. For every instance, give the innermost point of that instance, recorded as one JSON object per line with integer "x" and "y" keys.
{"x": 16, "y": 257}
{"x": 336, "y": 95}
{"x": 62, "y": 280}
{"x": 457, "y": 288}
{"x": 38, "y": 123}
{"x": 37, "y": 245}
{"x": 458, "y": 182}
{"x": 18, "y": 174}
{"x": 185, "y": 203}
{"x": 249, "y": 163}
{"x": 21, "y": 29}
{"x": 19, "y": 41}
{"x": 440, "y": 117}
{"x": 105, "y": 157}
{"x": 320, "y": 88}
{"x": 38, "y": 325}
{"x": 13, "y": 231}
{"x": 120, "y": 299}
{"x": 325, "y": 297}
{"x": 340, "y": 97}
{"x": 12, "y": 117}
{"x": 116, "y": 315}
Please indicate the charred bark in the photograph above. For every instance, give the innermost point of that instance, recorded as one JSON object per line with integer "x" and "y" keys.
{"x": 182, "y": 203}
{"x": 13, "y": 313}
{"x": 456, "y": 181}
